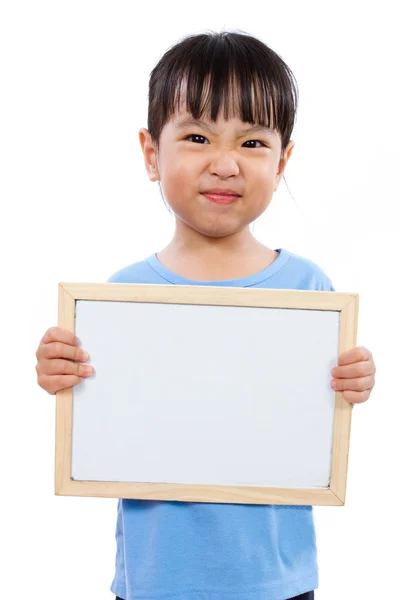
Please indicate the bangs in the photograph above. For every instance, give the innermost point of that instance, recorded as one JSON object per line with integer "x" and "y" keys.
{"x": 235, "y": 95}
{"x": 228, "y": 74}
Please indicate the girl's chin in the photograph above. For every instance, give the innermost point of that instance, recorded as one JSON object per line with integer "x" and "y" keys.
{"x": 214, "y": 230}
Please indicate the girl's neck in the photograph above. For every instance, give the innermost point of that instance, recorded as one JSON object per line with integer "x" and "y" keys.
{"x": 216, "y": 259}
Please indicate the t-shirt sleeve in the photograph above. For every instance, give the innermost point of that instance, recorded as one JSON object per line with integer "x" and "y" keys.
{"x": 327, "y": 285}
{"x": 114, "y": 278}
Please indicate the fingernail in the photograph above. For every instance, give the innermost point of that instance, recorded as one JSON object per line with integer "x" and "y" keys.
{"x": 87, "y": 370}
{"x": 333, "y": 384}
{"x": 85, "y": 356}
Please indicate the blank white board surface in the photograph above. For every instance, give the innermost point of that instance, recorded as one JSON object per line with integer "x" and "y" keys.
{"x": 214, "y": 395}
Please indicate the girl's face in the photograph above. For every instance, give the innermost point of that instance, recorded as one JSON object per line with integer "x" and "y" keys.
{"x": 195, "y": 157}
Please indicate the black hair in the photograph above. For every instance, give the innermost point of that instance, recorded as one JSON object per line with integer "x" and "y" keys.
{"x": 235, "y": 71}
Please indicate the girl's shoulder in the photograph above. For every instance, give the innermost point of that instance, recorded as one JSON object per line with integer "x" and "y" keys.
{"x": 306, "y": 273}
{"x": 137, "y": 272}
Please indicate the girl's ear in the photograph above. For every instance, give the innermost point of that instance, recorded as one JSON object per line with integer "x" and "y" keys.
{"x": 283, "y": 162}
{"x": 149, "y": 154}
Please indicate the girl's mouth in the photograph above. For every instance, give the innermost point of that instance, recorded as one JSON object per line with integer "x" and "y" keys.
{"x": 221, "y": 198}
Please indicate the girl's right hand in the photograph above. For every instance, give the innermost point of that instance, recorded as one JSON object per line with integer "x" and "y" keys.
{"x": 58, "y": 357}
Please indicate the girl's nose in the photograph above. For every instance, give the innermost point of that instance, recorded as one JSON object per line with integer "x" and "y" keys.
{"x": 224, "y": 165}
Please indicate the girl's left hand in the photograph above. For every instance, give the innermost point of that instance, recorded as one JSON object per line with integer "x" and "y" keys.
{"x": 354, "y": 376}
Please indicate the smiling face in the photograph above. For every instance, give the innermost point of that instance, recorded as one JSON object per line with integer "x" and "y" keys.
{"x": 196, "y": 156}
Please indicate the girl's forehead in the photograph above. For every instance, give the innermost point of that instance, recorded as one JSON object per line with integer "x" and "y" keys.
{"x": 182, "y": 119}
{"x": 230, "y": 107}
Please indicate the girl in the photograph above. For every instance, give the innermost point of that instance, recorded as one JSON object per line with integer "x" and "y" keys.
{"x": 221, "y": 112}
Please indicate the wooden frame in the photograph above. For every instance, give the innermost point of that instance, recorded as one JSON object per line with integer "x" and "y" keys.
{"x": 346, "y": 304}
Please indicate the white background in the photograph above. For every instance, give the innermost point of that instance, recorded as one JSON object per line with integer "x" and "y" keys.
{"x": 76, "y": 205}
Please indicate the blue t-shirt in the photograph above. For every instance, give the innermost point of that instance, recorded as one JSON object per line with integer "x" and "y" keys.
{"x": 204, "y": 551}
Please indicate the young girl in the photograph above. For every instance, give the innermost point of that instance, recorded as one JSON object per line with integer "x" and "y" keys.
{"x": 221, "y": 112}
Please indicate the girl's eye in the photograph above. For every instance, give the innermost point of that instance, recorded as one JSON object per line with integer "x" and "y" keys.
{"x": 197, "y": 137}
{"x": 255, "y": 142}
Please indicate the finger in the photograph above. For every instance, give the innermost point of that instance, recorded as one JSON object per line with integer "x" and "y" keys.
{"x": 356, "y": 397}
{"x": 55, "y": 383}
{"x": 63, "y": 367}
{"x": 61, "y": 350}
{"x": 357, "y": 384}
{"x": 358, "y": 369}
{"x": 354, "y": 355}
{"x": 59, "y": 334}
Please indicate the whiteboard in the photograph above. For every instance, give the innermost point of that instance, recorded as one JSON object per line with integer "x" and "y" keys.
{"x": 205, "y": 395}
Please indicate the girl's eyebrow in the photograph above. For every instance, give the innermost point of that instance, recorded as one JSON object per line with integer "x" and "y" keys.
{"x": 180, "y": 124}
